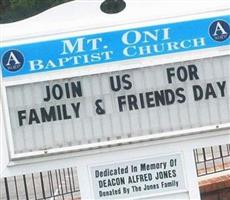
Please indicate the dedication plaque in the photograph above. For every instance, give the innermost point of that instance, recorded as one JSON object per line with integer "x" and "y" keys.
{"x": 138, "y": 178}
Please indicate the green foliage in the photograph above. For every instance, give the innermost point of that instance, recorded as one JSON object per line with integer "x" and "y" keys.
{"x": 20, "y": 9}
{"x": 15, "y": 4}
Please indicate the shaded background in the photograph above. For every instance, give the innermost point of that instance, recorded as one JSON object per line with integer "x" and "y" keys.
{"x": 14, "y": 10}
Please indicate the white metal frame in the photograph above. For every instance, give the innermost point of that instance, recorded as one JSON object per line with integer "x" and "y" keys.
{"x": 84, "y": 156}
{"x": 117, "y": 66}
{"x": 103, "y": 68}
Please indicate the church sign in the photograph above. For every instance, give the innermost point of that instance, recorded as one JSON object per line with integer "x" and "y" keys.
{"x": 86, "y": 50}
{"x": 93, "y": 109}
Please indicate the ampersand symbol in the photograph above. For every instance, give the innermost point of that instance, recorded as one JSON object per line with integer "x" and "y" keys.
{"x": 99, "y": 109}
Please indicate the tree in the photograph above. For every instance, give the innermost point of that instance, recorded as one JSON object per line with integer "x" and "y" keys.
{"x": 14, "y": 10}
{"x": 4, "y": 4}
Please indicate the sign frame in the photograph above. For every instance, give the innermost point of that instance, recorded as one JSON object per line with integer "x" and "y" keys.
{"x": 54, "y": 151}
{"x": 114, "y": 66}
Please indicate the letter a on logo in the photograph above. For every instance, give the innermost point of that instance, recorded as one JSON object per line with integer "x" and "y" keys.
{"x": 219, "y": 30}
{"x": 13, "y": 60}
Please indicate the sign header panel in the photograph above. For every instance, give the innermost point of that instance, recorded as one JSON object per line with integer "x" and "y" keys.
{"x": 123, "y": 104}
{"x": 138, "y": 178}
{"x": 112, "y": 46}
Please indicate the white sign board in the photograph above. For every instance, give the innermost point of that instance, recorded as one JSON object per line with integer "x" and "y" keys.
{"x": 124, "y": 104}
{"x": 138, "y": 178}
